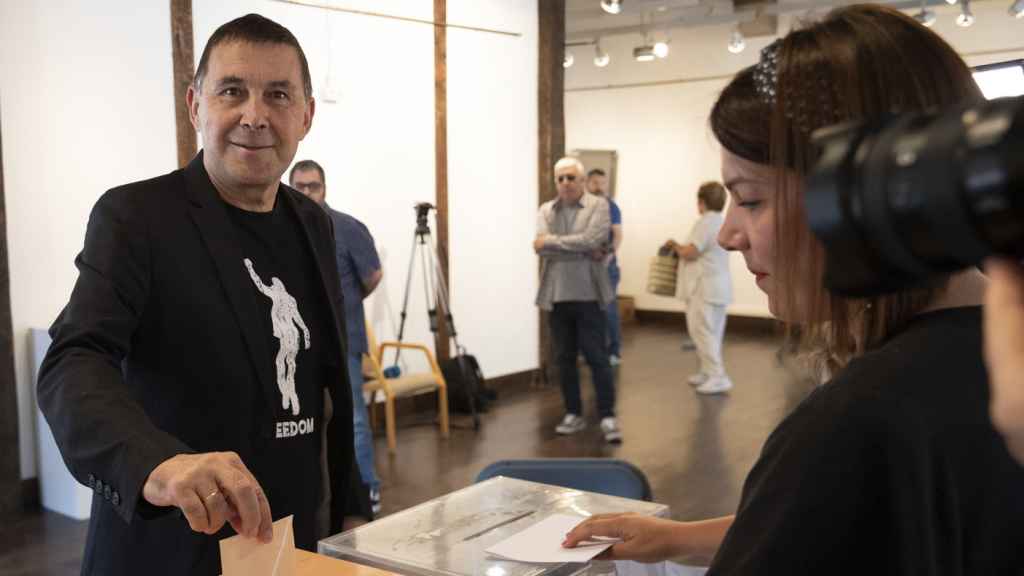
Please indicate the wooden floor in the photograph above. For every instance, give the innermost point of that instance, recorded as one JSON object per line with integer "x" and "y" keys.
{"x": 695, "y": 450}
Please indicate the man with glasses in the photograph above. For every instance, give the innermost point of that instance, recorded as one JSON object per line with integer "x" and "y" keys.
{"x": 360, "y": 272}
{"x": 572, "y": 241}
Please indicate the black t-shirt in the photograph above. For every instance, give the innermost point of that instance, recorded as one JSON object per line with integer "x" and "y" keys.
{"x": 287, "y": 288}
{"x": 893, "y": 467}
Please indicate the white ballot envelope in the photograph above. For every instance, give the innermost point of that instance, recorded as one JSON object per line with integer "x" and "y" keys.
{"x": 542, "y": 543}
{"x": 241, "y": 556}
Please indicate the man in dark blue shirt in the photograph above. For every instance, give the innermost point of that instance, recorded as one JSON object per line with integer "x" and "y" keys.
{"x": 360, "y": 273}
{"x": 597, "y": 184}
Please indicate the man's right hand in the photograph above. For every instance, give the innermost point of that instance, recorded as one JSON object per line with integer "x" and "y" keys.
{"x": 212, "y": 489}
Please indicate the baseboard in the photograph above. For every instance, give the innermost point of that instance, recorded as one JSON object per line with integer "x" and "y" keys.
{"x": 19, "y": 496}
{"x": 513, "y": 383}
{"x": 736, "y": 323}
{"x": 30, "y": 494}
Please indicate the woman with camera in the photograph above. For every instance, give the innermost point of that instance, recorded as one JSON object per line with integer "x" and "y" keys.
{"x": 892, "y": 465}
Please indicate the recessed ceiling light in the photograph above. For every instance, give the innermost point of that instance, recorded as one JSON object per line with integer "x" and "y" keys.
{"x": 601, "y": 58}
{"x": 644, "y": 53}
{"x": 736, "y": 42}
{"x": 611, "y": 6}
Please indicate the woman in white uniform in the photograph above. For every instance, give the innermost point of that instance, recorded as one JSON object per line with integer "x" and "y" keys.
{"x": 706, "y": 288}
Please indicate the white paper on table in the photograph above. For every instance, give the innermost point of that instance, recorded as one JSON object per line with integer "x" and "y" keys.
{"x": 542, "y": 543}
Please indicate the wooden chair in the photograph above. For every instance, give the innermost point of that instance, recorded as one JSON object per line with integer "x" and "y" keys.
{"x": 402, "y": 386}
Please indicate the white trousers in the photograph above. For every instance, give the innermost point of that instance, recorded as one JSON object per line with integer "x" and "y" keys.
{"x": 706, "y": 326}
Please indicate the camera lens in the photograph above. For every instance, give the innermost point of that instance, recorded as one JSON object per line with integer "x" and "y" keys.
{"x": 918, "y": 195}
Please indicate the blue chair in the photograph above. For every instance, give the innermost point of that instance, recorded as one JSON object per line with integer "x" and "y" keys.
{"x": 601, "y": 475}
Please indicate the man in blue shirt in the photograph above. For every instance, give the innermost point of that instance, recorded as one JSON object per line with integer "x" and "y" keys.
{"x": 597, "y": 184}
{"x": 360, "y": 273}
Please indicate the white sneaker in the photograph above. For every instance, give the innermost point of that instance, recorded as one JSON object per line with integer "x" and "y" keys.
{"x": 715, "y": 385}
{"x": 697, "y": 379}
{"x": 610, "y": 427}
{"x": 571, "y": 424}
{"x": 375, "y": 501}
{"x": 614, "y": 360}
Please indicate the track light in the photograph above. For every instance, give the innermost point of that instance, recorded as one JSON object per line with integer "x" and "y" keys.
{"x": 611, "y": 6}
{"x": 601, "y": 58}
{"x": 1017, "y": 9}
{"x": 736, "y": 42}
{"x": 661, "y": 49}
{"x": 966, "y": 18}
{"x": 644, "y": 53}
{"x": 567, "y": 59}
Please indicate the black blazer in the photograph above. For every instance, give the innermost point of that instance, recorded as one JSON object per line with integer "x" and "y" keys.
{"x": 156, "y": 354}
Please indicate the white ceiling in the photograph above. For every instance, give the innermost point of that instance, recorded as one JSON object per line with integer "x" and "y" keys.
{"x": 585, "y": 21}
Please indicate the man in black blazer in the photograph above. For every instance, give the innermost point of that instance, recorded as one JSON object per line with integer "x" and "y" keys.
{"x": 184, "y": 382}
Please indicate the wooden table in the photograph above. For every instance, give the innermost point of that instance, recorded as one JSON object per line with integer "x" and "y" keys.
{"x": 310, "y": 564}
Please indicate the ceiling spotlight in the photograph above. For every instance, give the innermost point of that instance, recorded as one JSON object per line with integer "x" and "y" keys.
{"x": 567, "y": 60}
{"x": 644, "y": 53}
{"x": 736, "y": 42}
{"x": 611, "y": 6}
{"x": 1017, "y": 9}
{"x": 601, "y": 58}
{"x": 926, "y": 17}
{"x": 951, "y": 2}
{"x": 661, "y": 49}
{"x": 966, "y": 18}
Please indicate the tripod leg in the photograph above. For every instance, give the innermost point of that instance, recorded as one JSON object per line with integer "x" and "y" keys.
{"x": 405, "y": 295}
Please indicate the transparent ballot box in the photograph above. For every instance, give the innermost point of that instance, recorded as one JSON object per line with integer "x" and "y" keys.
{"x": 448, "y": 535}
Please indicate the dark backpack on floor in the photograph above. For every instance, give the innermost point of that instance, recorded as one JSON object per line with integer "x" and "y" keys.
{"x": 467, "y": 391}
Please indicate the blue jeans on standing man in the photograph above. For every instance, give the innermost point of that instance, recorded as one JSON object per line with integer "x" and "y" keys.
{"x": 612, "y": 312}
{"x": 580, "y": 327}
{"x": 361, "y": 423}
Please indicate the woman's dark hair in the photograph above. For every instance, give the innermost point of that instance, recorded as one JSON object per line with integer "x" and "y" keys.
{"x": 858, "y": 63}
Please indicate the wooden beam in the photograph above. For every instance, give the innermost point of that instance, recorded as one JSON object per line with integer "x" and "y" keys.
{"x": 182, "y": 54}
{"x": 551, "y": 93}
{"x": 10, "y": 463}
{"x": 441, "y": 156}
{"x": 550, "y": 125}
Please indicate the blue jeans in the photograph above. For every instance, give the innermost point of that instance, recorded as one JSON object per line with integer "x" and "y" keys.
{"x": 612, "y": 313}
{"x": 361, "y": 423}
{"x": 576, "y": 327}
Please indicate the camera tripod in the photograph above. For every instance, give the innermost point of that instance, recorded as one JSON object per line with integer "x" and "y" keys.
{"x": 435, "y": 292}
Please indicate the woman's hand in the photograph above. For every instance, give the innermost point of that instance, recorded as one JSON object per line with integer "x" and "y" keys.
{"x": 644, "y": 538}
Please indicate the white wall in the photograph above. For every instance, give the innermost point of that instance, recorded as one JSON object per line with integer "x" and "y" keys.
{"x": 86, "y": 104}
{"x": 492, "y": 181}
{"x": 664, "y": 143}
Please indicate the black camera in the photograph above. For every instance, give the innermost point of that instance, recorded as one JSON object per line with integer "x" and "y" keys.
{"x": 918, "y": 195}
{"x": 422, "y": 210}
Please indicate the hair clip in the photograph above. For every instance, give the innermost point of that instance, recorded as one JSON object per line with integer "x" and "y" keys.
{"x": 766, "y": 72}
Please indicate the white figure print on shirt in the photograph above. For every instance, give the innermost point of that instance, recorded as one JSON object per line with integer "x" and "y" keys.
{"x": 284, "y": 314}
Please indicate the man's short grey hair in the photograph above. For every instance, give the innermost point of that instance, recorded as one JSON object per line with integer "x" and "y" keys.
{"x": 571, "y": 161}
